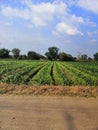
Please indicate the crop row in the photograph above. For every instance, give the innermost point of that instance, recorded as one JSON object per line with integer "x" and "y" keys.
{"x": 79, "y": 75}
{"x": 48, "y": 72}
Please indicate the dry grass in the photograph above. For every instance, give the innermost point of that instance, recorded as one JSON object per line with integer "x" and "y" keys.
{"x": 82, "y": 91}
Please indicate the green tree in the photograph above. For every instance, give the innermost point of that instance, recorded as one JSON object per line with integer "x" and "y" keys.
{"x": 16, "y": 52}
{"x": 96, "y": 56}
{"x": 22, "y": 57}
{"x": 65, "y": 57}
{"x": 90, "y": 59}
{"x": 33, "y": 55}
{"x": 52, "y": 53}
{"x": 79, "y": 56}
{"x": 84, "y": 57}
{"x": 4, "y": 53}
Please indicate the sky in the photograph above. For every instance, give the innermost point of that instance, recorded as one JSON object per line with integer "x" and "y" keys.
{"x": 36, "y": 25}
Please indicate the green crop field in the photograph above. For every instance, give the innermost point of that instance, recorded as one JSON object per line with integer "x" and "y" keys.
{"x": 49, "y": 73}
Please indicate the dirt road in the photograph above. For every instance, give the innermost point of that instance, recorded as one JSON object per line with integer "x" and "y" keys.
{"x": 48, "y": 113}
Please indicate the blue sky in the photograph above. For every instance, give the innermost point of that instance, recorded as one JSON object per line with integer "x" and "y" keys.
{"x": 70, "y": 25}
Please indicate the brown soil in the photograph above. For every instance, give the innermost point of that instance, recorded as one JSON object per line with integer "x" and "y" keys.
{"x": 48, "y": 113}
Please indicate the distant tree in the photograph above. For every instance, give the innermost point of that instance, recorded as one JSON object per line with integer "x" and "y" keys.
{"x": 75, "y": 58}
{"x": 16, "y": 52}
{"x": 96, "y": 56}
{"x": 89, "y": 59}
{"x": 79, "y": 56}
{"x": 22, "y": 57}
{"x": 84, "y": 57}
{"x": 52, "y": 53}
{"x": 4, "y": 53}
{"x": 65, "y": 57}
{"x": 33, "y": 55}
{"x": 62, "y": 56}
{"x": 42, "y": 57}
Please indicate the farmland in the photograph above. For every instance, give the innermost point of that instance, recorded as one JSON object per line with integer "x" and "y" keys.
{"x": 49, "y": 73}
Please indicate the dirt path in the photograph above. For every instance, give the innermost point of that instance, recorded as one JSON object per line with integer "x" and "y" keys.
{"x": 48, "y": 113}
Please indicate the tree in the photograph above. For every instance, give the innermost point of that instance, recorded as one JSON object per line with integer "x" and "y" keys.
{"x": 4, "y": 53}
{"x": 79, "y": 56}
{"x": 65, "y": 57}
{"x": 42, "y": 57}
{"x": 84, "y": 57}
{"x": 96, "y": 56}
{"x": 22, "y": 57}
{"x": 16, "y": 52}
{"x": 90, "y": 59}
{"x": 52, "y": 53}
{"x": 33, "y": 55}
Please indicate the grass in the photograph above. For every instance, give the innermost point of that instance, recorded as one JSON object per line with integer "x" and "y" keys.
{"x": 80, "y": 91}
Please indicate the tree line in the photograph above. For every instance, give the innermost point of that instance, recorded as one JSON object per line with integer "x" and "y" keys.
{"x": 52, "y": 54}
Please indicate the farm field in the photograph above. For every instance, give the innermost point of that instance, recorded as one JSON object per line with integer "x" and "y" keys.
{"x": 49, "y": 73}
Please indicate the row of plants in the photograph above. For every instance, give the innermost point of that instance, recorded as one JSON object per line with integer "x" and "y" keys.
{"x": 60, "y": 77}
{"x": 7, "y": 68}
{"x": 80, "y": 77}
{"x": 49, "y": 72}
{"x": 87, "y": 67}
{"x": 43, "y": 76}
{"x": 19, "y": 73}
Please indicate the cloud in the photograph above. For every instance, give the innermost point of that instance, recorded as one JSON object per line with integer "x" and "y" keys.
{"x": 93, "y": 40}
{"x": 91, "y": 33}
{"x": 67, "y": 29}
{"x": 70, "y": 25}
{"x": 71, "y": 2}
{"x": 46, "y": 13}
{"x": 38, "y": 14}
{"x": 15, "y": 12}
{"x": 91, "y": 5}
{"x": 90, "y": 23}
{"x": 76, "y": 19}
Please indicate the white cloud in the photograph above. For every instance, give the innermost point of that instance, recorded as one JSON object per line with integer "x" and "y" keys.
{"x": 15, "y": 12}
{"x": 67, "y": 29}
{"x": 91, "y": 5}
{"x": 76, "y": 19}
{"x": 91, "y": 33}
{"x": 8, "y": 23}
{"x": 70, "y": 25}
{"x": 72, "y": 2}
{"x": 42, "y": 14}
{"x": 39, "y": 14}
{"x": 90, "y": 23}
{"x": 93, "y": 40}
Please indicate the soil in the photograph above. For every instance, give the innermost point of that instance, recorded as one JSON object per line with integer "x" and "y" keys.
{"x": 48, "y": 113}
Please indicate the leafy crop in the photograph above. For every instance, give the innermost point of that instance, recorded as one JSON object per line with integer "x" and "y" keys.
{"x": 49, "y": 72}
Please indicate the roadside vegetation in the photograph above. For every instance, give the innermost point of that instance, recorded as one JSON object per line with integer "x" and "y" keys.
{"x": 29, "y": 90}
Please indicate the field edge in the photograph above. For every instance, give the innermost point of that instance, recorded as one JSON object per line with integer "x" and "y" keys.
{"x": 48, "y": 90}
